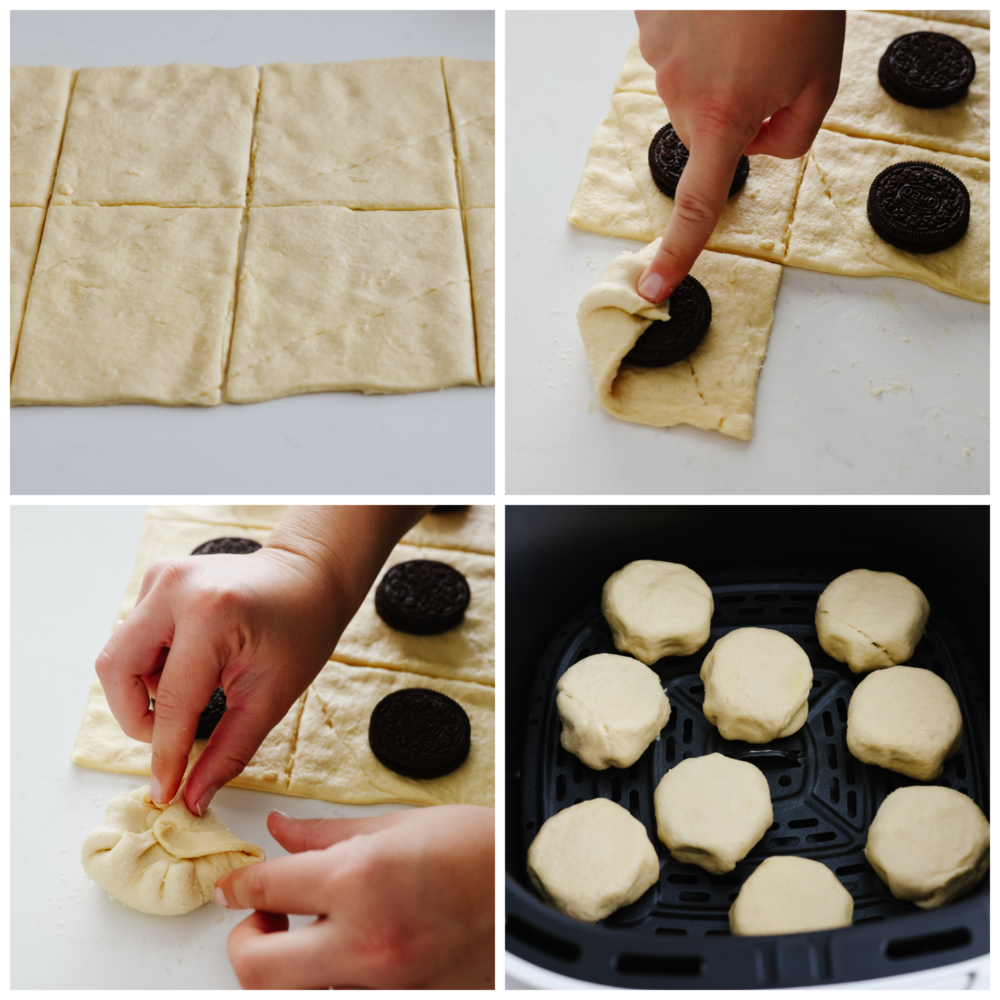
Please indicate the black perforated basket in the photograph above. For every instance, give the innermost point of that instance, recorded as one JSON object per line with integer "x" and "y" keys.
{"x": 677, "y": 933}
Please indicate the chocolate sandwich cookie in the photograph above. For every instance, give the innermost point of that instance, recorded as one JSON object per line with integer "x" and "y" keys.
{"x": 926, "y": 69}
{"x": 665, "y": 341}
{"x": 422, "y": 597}
{"x": 419, "y": 733}
{"x": 919, "y": 207}
{"x": 668, "y": 157}
{"x": 445, "y": 509}
{"x": 227, "y": 546}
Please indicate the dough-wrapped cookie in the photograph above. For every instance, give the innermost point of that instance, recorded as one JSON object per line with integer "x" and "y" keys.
{"x": 929, "y": 845}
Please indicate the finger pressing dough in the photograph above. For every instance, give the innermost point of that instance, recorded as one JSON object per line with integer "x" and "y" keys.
{"x": 657, "y": 609}
{"x": 162, "y": 860}
{"x": 715, "y": 387}
{"x": 25, "y": 235}
{"x": 612, "y": 708}
{"x": 757, "y": 683}
{"x": 789, "y": 896}
{"x": 592, "y": 859}
{"x": 710, "y": 811}
{"x": 870, "y": 620}
{"x": 38, "y": 99}
{"x": 929, "y": 845}
{"x": 905, "y": 719}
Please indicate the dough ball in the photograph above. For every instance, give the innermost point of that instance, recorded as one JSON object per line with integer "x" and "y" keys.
{"x": 162, "y": 860}
{"x": 757, "y": 684}
{"x": 929, "y": 845}
{"x": 870, "y": 620}
{"x": 905, "y": 719}
{"x": 592, "y": 859}
{"x": 612, "y": 708}
{"x": 711, "y": 810}
{"x": 789, "y": 896}
{"x": 657, "y": 609}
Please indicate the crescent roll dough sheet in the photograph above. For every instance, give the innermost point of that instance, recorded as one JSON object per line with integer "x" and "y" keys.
{"x": 863, "y": 108}
{"x": 25, "y": 235}
{"x": 471, "y": 529}
{"x": 479, "y": 225}
{"x": 471, "y": 86}
{"x": 977, "y": 18}
{"x": 38, "y": 99}
{"x": 716, "y": 387}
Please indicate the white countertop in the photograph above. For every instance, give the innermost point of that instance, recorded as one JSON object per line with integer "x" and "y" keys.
{"x": 344, "y": 443}
{"x": 818, "y": 428}
{"x": 71, "y": 565}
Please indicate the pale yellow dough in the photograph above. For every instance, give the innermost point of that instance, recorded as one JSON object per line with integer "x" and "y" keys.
{"x": 863, "y": 108}
{"x": 905, "y": 719}
{"x": 592, "y": 859}
{"x": 158, "y": 135}
{"x": 716, "y": 387}
{"x": 479, "y": 224}
{"x": 331, "y": 299}
{"x": 25, "y": 235}
{"x": 611, "y": 709}
{"x": 977, "y": 18}
{"x": 38, "y": 99}
{"x": 162, "y": 860}
{"x": 929, "y": 845}
{"x": 129, "y": 305}
{"x": 463, "y": 653}
{"x": 372, "y": 134}
{"x": 246, "y": 515}
{"x": 471, "y": 88}
{"x": 471, "y": 530}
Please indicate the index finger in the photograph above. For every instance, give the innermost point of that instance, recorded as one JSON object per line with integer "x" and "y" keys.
{"x": 297, "y": 883}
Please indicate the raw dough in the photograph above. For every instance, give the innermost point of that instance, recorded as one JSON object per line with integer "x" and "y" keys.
{"x": 611, "y": 708}
{"x": 332, "y": 759}
{"x": 978, "y": 18}
{"x": 158, "y": 135}
{"x": 757, "y": 684}
{"x": 848, "y": 166}
{"x": 716, "y": 387}
{"x": 592, "y": 859}
{"x": 787, "y": 895}
{"x": 245, "y": 515}
{"x": 373, "y": 134}
{"x": 462, "y": 653}
{"x": 863, "y": 108}
{"x": 479, "y": 224}
{"x": 38, "y": 99}
{"x": 657, "y": 609}
{"x": 870, "y": 620}
{"x": 929, "y": 845}
{"x": 710, "y": 811}
{"x": 471, "y": 530}
{"x": 129, "y": 305}
{"x": 331, "y": 299}
{"x": 25, "y": 235}
{"x": 471, "y": 87}
{"x": 162, "y": 860}
{"x": 905, "y": 719}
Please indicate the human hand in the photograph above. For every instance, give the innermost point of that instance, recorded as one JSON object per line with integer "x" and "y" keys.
{"x": 733, "y": 82}
{"x": 260, "y": 625}
{"x": 403, "y": 901}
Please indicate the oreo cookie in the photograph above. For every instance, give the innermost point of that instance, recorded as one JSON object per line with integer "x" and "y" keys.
{"x": 668, "y": 157}
{"x": 666, "y": 341}
{"x": 422, "y": 597}
{"x": 926, "y": 69}
{"x": 227, "y": 546}
{"x": 419, "y": 733}
{"x": 919, "y": 207}
{"x": 445, "y": 509}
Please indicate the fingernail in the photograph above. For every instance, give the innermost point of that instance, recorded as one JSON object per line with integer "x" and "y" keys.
{"x": 154, "y": 791}
{"x": 651, "y": 287}
{"x": 206, "y": 800}
{"x": 278, "y": 812}
{"x": 220, "y": 897}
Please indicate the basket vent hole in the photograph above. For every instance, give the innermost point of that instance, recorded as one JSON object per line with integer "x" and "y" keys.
{"x": 784, "y": 781}
{"x": 842, "y": 710}
{"x": 960, "y": 767}
{"x": 783, "y": 841}
{"x": 732, "y": 599}
{"x": 819, "y": 838}
{"x": 576, "y": 802}
{"x": 679, "y": 931}
{"x": 561, "y": 788}
{"x": 694, "y": 897}
{"x": 831, "y": 756}
{"x": 750, "y": 611}
{"x": 633, "y": 803}
{"x": 928, "y": 944}
{"x": 529, "y": 825}
{"x": 671, "y": 749}
{"x": 834, "y": 790}
{"x": 797, "y": 824}
{"x": 688, "y": 728}
{"x": 616, "y": 789}
{"x": 852, "y": 804}
{"x": 828, "y": 724}
{"x": 850, "y": 771}
{"x": 683, "y": 879}
{"x": 577, "y": 770}
{"x": 851, "y": 869}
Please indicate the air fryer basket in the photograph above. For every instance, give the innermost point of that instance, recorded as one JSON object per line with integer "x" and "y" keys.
{"x": 766, "y": 567}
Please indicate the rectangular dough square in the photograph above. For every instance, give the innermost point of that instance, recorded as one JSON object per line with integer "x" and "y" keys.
{"x": 373, "y": 134}
{"x": 244, "y": 515}
{"x": 331, "y": 299}
{"x": 479, "y": 225}
{"x": 977, "y": 18}
{"x": 848, "y": 165}
{"x": 25, "y": 235}
{"x": 470, "y": 529}
{"x": 863, "y": 108}
{"x": 38, "y": 99}
{"x": 129, "y": 305}
{"x": 462, "y": 653}
{"x": 333, "y": 759}
{"x": 173, "y": 135}
{"x": 471, "y": 87}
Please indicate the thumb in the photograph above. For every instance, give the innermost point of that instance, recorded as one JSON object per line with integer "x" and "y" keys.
{"x": 297, "y": 835}
{"x": 701, "y": 196}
